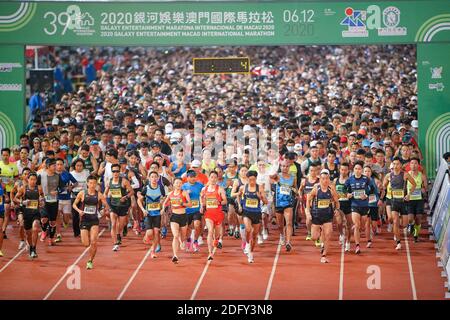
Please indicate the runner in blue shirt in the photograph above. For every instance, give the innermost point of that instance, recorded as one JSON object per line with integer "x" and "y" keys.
{"x": 194, "y": 216}
{"x": 64, "y": 201}
{"x": 358, "y": 189}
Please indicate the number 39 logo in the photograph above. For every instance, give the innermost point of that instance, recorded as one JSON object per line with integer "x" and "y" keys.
{"x": 70, "y": 19}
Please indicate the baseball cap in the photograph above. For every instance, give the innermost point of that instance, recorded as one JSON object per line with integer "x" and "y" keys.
{"x": 366, "y": 143}
{"x": 353, "y": 133}
{"x": 168, "y": 128}
{"x": 191, "y": 173}
{"x": 396, "y": 115}
{"x": 94, "y": 142}
{"x": 325, "y": 171}
{"x": 362, "y": 131}
{"x": 313, "y": 143}
{"x": 55, "y": 122}
{"x": 49, "y": 162}
{"x": 247, "y": 128}
{"x": 98, "y": 117}
{"x": 155, "y": 144}
{"x": 401, "y": 127}
{"x": 415, "y": 124}
{"x": 196, "y": 164}
{"x": 343, "y": 139}
{"x": 375, "y": 145}
{"x": 122, "y": 161}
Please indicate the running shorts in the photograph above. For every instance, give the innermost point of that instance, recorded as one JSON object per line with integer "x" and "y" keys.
{"x": 88, "y": 224}
{"x": 399, "y": 206}
{"x": 152, "y": 222}
{"x": 373, "y": 212}
{"x": 345, "y": 207}
{"x": 363, "y": 211}
{"x": 254, "y": 217}
{"x": 65, "y": 206}
{"x": 322, "y": 219}
{"x": 181, "y": 219}
{"x": 120, "y": 211}
{"x": 51, "y": 211}
{"x": 216, "y": 217}
{"x": 416, "y": 207}
{"x": 29, "y": 218}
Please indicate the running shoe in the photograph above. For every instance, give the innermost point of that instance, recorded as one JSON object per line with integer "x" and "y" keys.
{"x": 21, "y": 244}
{"x": 175, "y": 259}
{"x": 219, "y": 245}
{"x": 210, "y": 258}
{"x": 347, "y": 246}
{"x": 247, "y": 248}
{"x": 317, "y": 243}
{"x": 260, "y": 239}
{"x": 324, "y": 260}
{"x": 357, "y": 249}
{"x": 416, "y": 232}
{"x": 250, "y": 257}
{"x": 34, "y": 255}
{"x": 51, "y": 242}
{"x": 341, "y": 239}
{"x": 230, "y": 232}
{"x": 288, "y": 247}
{"x": 129, "y": 225}
{"x": 308, "y": 237}
{"x": 389, "y": 227}
{"x": 58, "y": 238}
{"x": 196, "y": 247}
{"x": 265, "y": 234}
{"x": 89, "y": 265}
{"x": 188, "y": 246}
{"x": 153, "y": 255}
{"x": 395, "y": 238}
{"x": 65, "y": 225}
{"x": 200, "y": 240}
{"x": 282, "y": 241}
{"x": 237, "y": 235}
{"x": 399, "y": 246}
{"x": 163, "y": 232}
{"x": 116, "y": 247}
{"x": 369, "y": 244}
{"x": 1, "y": 253}
{"x": 182, "y": 245}
{"x": 43, "y": 236}
{"x": 158, "y": 248}
{"x": 410, "y": 228}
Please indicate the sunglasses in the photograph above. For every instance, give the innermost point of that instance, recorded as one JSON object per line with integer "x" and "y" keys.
{"x": 115, "y": 171}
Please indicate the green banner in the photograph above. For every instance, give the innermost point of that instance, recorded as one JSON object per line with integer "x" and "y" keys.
{"x": 12, "y": 99}
{"x": 224, "y": 23}
{"x": 433, "y": 68}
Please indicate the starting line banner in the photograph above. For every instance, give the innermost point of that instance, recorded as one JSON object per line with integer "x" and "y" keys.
{"x": 224, "y": 23}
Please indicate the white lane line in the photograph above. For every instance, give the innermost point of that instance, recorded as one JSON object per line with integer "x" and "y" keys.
{"x": 134, "y": 274}
{"x": 341, "y": 276}
{"x": 411, "y": 273}
{"x": 11, "y": 261}
{"x": 272, "y": 274}
{"x": 200, "y": 280}
{"x": 69, "y": 269}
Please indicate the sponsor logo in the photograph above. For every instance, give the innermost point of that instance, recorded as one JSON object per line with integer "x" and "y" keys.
{"x": 354, "y": 20}
{"x": 10, "y": 87}
{"x": 436, "y": 86}
{"x": 436, "y": 73}
{"x": 81, "y": 23}
{"x": 8, "y": 67}
{"x": 391, "y": 20}
{"x": 359, "y": 22}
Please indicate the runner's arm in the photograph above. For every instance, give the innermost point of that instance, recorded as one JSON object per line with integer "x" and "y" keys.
{"x": 223, "y": 196}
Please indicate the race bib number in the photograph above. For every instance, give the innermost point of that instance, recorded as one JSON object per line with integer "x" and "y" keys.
{"x": 358, "y": 194}
{"x": 398, "y": 194}
{"x": 175, "y": 201}
{"x": 116, "y": 193}
{"x": 416, "y": 195}
{"x": 195, "y": 203}
{"x": 372, "y": 198}
{"x": 32, "y": 204}
{"x": 211, "y": 204}
{"x": 323, "y": 203}
{"x": 90, "y": 210}
{"x": 153, "y": 206}
{"x": 251, "y": 203}
{"x": 342, "y": 197}
{"x": 50, "y": 198}
{"x": 285, "y": 190}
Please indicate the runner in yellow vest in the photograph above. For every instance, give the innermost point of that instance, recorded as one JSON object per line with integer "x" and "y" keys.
{"x": 416, "y": 203}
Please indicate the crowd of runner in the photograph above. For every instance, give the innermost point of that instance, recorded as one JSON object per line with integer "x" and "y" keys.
{"x": 122, "y": 150}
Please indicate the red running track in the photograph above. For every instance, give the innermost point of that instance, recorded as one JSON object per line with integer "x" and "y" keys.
{"x": 276, "y": 274}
